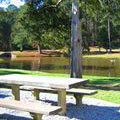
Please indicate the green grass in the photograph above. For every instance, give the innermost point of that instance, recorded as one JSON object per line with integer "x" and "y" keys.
{"x": 106, "y": 86}
{"x": 117, "y": 55}
{"x": 100, "y": 80}
{"x": 15, "y": 71}
{"x": 108, "y": 95}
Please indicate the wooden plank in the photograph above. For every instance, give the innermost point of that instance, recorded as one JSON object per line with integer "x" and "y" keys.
{"x": 62, "y": 101}
{"x": 77, "y": 92}
{"x": 78, "y": 99}
{"x": 32, "y": 107}
{"x": 70, "y": 91}
{"x": 42, "y": 81}
{"x": 81, "y": 91}
{"x": 16, "y": 91}
{"x": 36, "y": 93}
{"x": 36, "y": 116}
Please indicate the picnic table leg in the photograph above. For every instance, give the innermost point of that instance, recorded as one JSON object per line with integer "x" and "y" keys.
{"x": 16, "y": 92}
{"x": 62, "y": 100}
{"x": 36, "y": 93}
{"x": 36, "y": 116}
{"x": 78, "y": 99}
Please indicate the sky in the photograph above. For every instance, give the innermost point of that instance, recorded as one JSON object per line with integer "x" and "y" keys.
{"x": 17, "y": 3}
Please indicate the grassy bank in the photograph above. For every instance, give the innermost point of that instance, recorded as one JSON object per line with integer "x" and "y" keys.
{"x": 110, "y": 55}
{"x": 108, "y": 87}
{"x": 93, "y": 55}
{"x": 94, "y": 52}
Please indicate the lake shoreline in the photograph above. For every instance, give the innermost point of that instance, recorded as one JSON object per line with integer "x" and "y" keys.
{"x": 58, "y": 53}
{"x": 44, "y": 53}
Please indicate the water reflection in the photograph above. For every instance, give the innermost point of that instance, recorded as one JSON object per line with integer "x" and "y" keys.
{"x": 91, "y": 66}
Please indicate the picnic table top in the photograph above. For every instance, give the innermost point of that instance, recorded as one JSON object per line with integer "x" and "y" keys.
{"x": 42, "y": 81}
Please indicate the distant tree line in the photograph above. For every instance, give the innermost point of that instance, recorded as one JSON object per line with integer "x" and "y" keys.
{"x": 42, "y": 24}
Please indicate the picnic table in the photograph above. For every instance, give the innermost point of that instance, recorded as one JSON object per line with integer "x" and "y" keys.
{"x": 59, "y": 83}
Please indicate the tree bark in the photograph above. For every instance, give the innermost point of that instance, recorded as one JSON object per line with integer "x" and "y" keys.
{"x": 39, "y": 50}
{"x": 109, "y": 35}
{"x": 76, "y": 42}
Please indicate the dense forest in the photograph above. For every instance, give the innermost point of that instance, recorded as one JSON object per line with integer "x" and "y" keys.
{"x": 43, "y": 24}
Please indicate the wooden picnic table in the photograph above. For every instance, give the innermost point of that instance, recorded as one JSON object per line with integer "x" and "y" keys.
{"x": 59, "y": 83}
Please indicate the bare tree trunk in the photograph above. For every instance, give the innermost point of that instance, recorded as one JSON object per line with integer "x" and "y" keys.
{"x": 39, "y": 50}
{"x": 76, "y": 42}
{"x": 109, "y": 35}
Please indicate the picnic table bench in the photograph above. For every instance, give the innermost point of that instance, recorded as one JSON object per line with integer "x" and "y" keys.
{"x": 78, "y": 93}
{"x": 34, "y": 108}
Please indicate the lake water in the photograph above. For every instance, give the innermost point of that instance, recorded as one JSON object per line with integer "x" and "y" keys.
{"x": 91, "y": 66}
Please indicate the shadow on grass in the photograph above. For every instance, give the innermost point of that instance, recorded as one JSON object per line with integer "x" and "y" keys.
{"x": 7, "y": 72}
{"x": 105, "y": 83}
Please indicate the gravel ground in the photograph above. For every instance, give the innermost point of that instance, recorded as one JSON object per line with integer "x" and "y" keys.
{"x": 92, "y": 109}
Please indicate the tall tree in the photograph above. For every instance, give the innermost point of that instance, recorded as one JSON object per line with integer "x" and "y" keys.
{"x": 7, "y": 19}
{"x": 110, "y": 12}
{"x": 76, "y": 42}
{"x": 20, "y": 36}
{"x": 48, "y": 17}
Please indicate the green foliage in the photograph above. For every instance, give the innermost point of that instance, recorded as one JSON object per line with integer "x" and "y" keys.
{"x": 95, "y": 15}
{"x": 33, "y": 26}
{"x": 20, "y": 37}
{"x": 48, "y": 25}
{"x": 7, "y": 18}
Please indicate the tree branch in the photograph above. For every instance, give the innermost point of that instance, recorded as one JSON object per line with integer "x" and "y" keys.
{"x": 58, "y": 3}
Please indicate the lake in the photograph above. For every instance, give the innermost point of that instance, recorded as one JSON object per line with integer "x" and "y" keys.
{"x": 91, "y": 66}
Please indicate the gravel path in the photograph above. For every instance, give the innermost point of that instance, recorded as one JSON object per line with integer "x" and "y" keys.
{"x": 92, "y": 109}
